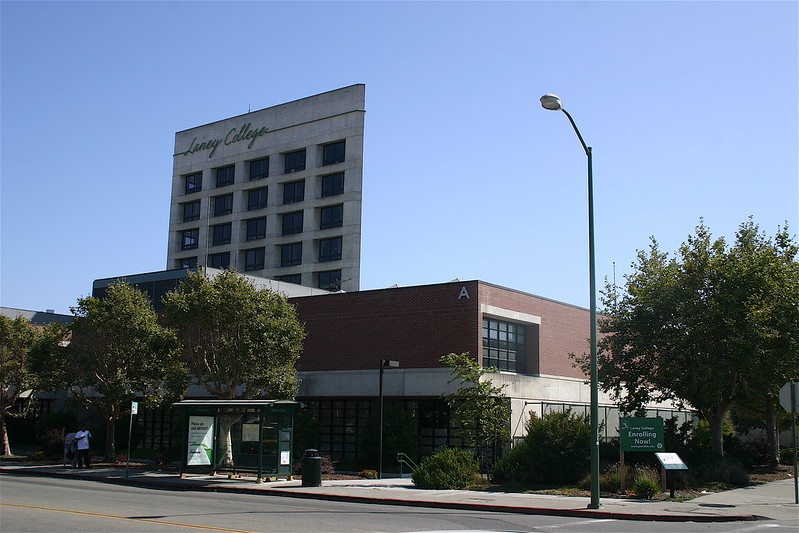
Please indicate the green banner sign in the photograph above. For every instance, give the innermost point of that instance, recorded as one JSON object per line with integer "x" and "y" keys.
{"x": 641, "y": 435}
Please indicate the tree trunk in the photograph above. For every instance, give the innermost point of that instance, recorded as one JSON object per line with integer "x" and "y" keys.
{"x": 4, "y": 435}
{"x": 772, "y": 435}
{"x": 110, "y": 436}
{"x": 716, "y": 420}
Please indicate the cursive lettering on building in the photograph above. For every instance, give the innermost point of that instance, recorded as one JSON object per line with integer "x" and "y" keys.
{"x": 246, "y": 132}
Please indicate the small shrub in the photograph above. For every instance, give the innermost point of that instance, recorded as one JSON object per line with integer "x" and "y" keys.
{"x": 368, "y": 474}
{"x": 52, "y": 441}
{"x": 646, "y": 488}
{"x": 646, "y": 482}
{"x": 448, "y": 468}
{"x": 328, "y": 466}
{"x": 556, "y": 451}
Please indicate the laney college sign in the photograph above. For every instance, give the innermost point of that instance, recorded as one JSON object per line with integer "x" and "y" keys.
{"x": 641, "y": 435}
{"x": 233, "y": 136}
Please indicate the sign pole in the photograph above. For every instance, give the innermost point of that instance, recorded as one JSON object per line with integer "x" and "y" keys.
{"x": 134, "y": 408}
{"x": 793, "y": 427}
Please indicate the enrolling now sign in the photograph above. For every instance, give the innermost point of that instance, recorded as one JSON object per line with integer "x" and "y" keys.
{"x": 641, "y": 435}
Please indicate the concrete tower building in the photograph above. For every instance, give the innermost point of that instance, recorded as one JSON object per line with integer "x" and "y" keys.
{"x": 274, "y": 193}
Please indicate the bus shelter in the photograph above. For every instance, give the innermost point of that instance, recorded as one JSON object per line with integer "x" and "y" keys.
{"x": 238, "y": 436}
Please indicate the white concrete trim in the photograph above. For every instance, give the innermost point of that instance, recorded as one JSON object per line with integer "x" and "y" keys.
{"x": 516, "y": 316}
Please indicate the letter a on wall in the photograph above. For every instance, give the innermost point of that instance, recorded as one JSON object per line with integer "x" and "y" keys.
{"x": 464, "y": 293}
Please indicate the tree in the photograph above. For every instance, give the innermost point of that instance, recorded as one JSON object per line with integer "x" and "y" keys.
{"x": 705, "y": 327}
{"x": 118, "y": 352}
{"x": 481, "y": 410}
{"x": 18, "y": 339}
{"x": 238, "y": 341}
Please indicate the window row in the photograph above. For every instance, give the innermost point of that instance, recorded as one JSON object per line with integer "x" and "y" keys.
{"x": 255, "y": 258}
{"x": 255, "y": 228}
{"x": 293, "y": 192}
{"x": 294, "y": 161}
{"x": 290, "y": 254}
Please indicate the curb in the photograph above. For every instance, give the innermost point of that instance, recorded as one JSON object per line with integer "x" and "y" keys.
{"x": 545, "y": 511}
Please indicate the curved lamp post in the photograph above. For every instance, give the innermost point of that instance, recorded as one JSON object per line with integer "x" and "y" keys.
{"x": 552, "y": 103}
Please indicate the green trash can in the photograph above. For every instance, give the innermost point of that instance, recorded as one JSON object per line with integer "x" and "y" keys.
{"x": 312, "y": 469}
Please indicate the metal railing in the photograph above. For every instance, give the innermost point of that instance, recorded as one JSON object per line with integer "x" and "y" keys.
{"x": 403, "y": 459}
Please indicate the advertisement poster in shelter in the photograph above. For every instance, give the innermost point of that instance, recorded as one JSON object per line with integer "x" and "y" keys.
{"x": 201, "y": 440}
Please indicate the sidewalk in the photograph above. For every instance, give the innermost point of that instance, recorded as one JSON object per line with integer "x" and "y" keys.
{"x": 773, "y": 501}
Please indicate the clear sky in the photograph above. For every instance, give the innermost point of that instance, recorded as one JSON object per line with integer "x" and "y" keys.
{"x": 690, "y": 107}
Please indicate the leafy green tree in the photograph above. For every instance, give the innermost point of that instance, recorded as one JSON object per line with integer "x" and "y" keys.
{"x": 18, "y": 339}
{"x": 118, "y": 351}
{"x": 481, "y": 410}
{"x": 238, "y": 341}
{"x": 709, "y": 327}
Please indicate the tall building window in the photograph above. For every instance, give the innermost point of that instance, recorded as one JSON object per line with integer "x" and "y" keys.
{"x": 187, "y": 262}
{"x": 291, "y": 278}
{"x": 330, "y": 280}
{"x": 333, "y": 153}
{"x": 294, "y": 161}
{"x": 332, "y": 217}
{"x": 190, "y": 239}
{"x": 221, "y": 260}
{"x": 254, "y": 259}
{"x": 256, "y": 228}
{"x": 292, "y": 223}
{"x": 293, "y": 192}
{"x": 225, "y": 176}
{"x": 193, "y": 182}
{"x": 333, "y": 184}
{"x": 221, "y": 234}
{"x": 256, "y": 199}
{"x": 259, "y": 169}
{"x": 223, "y": 205}
{"x": 191, "y": 211}
{"x": 291, "y": 254}
{"x": 504, "y": 345}
{"x": 330, "y": 249}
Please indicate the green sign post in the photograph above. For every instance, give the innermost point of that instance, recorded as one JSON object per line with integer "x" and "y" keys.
{"x": 641, "y": 435}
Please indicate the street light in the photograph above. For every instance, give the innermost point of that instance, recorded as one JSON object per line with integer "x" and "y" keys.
{"x": 384, "y": 363}
{"x": 552, "y": 103}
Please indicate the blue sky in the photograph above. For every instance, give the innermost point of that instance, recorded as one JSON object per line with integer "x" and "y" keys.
{"x": 690, "y": 108}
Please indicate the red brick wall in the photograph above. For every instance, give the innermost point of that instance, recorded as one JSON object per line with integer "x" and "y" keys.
{"x": 417, "y": 325}
{"x": 413, "y": 325}
{"x": 564, "y": 328}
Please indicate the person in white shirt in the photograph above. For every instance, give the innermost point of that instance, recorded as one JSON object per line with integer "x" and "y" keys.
{"x": 82, "y": 438}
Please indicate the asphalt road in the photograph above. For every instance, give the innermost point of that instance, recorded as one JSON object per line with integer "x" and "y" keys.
{"x": 36, "y": 504}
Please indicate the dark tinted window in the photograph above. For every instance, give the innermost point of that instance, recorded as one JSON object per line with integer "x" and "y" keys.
{"x": 256, "y": 199}
{"x": 294, "y": 161}
{"x": 256, "y": 228}
{"x": 333, "y": 153}
{"x": 224, "y": 176}
{"x": 332, "y": 217}
{"x": 191, "y": 211}
{"x": 294, "y": 192}
{"x": 221, "y": 234}
{"x": 330, "y": 249}
{"x": 193, "y": 182}
{"x": 292, "y": 223}
{"x": 333, "y": 184}
{"x": 259, "y": 169}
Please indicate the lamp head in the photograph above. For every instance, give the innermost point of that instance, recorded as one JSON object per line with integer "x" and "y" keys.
{"x": 551, "y": 102}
